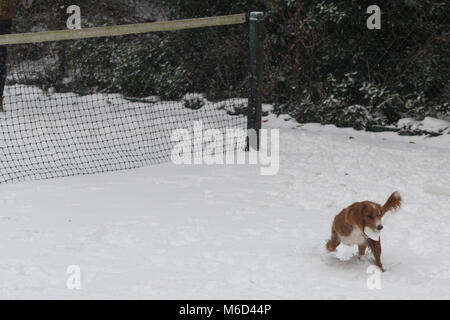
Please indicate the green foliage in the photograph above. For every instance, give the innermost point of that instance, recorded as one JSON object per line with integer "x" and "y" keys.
{"x": 322, "y": 64}
{"x": 135, "y": 66}
{"x": 326, "y": 66}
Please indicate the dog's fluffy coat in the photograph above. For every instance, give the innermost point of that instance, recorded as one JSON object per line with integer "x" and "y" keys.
{"x": 348, "y": 225}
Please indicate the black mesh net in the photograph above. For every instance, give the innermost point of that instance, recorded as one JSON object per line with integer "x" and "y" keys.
{"x": 90, "y": 106}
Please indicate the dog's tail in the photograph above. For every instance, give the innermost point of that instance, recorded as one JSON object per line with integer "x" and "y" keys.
{"x": 393, "y": 203}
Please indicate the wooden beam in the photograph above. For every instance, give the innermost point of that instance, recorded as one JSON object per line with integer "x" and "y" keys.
{"x": 110, "y": 31}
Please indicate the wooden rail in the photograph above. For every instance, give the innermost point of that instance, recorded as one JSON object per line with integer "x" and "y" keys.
{"x": 110, "y": 31}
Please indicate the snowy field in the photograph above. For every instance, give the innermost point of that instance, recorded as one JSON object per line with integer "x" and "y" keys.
{"x": 226, "y": 232}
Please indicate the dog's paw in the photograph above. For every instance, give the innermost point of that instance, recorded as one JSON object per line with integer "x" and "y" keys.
{"x": 381, "y": 268}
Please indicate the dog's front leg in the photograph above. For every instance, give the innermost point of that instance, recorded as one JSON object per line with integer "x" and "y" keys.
{"x": 375, "y": 246}
{"x": 362, "y": 250}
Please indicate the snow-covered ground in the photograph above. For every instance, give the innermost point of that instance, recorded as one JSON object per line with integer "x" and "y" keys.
{"x": 49, "y": 135}
{"x": 226, "y": 232}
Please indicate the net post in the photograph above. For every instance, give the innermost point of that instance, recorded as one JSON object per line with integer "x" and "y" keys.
{"x": 256, "y": 44}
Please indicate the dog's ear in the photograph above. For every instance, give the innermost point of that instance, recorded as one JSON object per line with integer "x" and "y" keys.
{"x": 393, "y": 203}
{"x": 354, "y": 215}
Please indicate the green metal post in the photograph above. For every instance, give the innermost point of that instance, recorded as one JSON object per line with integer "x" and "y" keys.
{"x": 256, "y": 42}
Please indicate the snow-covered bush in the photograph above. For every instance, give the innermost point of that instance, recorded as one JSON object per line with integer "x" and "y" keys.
{"x": 194, "y": 101}
{"x": 321, "y": 62}
{"x": 401, "y": 70}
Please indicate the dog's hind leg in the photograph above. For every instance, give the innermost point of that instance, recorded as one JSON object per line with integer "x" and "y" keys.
{"x": 333, "y": 242}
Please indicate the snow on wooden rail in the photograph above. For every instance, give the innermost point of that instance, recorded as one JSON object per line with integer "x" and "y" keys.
{"x": 47, "y": 36}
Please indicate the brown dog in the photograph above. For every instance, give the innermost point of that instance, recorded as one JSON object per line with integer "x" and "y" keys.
{"x": 351, "y": 226}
